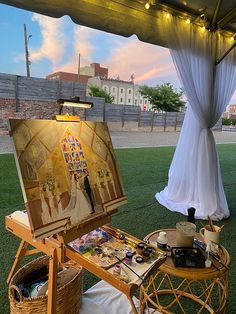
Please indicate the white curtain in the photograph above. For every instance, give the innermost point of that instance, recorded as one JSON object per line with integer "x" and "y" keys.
{"x": 194, "y": 174}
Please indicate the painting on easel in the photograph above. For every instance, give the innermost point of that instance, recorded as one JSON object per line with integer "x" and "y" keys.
{"x": 68, "y": 172}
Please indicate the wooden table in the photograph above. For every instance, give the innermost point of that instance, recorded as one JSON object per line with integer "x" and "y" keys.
{"x": 186, "y": 290}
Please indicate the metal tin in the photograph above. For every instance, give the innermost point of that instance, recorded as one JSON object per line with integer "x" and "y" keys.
{"x": 139, "y": 259}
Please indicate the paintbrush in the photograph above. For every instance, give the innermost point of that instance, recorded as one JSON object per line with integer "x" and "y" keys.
{"x": 221, "y": 228}
{"x": 211, "y": 225}
{"x": 202, "y": 246}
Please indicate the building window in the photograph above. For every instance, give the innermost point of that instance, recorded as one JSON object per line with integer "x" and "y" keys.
{"x": 145, "y": 101}
{"x": 129, "y": 101}
{"x": 113, "y": 89}
{"x": 135, "y": 101}
{"x": 121, "y": 100}
{"x": 129, "y": 91}
{"x": 121, "y": 90}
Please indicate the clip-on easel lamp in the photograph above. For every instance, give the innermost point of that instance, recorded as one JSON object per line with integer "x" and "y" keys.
{"x": 74, "y": 102}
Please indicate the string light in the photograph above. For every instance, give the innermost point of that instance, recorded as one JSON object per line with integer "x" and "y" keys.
{"x": 188, "y": 21}
{"x": 167, "y": 15}
{"x": 232, "y": 38}
{"x": 147, "y": 5}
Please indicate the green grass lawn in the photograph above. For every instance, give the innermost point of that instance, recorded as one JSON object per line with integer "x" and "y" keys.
{"x": 144, "y": 172}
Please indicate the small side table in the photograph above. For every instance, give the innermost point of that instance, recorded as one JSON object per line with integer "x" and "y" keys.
{"x": 186, "y": 290}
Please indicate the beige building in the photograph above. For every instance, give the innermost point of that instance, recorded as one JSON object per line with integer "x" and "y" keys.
{"x": 230, "y": 112}
{"x": 124, "y": 92}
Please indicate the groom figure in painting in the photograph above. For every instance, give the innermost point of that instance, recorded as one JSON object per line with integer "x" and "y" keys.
{"x": 88, "y": 190}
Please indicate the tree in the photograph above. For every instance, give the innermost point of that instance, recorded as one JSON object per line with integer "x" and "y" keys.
{"x": 163, "y": 97}
{"x": 96, "y": 91}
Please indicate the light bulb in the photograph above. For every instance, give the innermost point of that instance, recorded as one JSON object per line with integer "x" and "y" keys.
{"x": 167, "y": 15}
{"x": 147, "y": 5}
{"x": 188, "y": 21}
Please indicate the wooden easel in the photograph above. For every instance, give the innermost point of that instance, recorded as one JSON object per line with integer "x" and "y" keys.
{"x": 59, "y": 251}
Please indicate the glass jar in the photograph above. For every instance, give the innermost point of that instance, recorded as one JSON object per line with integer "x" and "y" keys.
{"x": 162, "y": 240}
{"x": 140, "y": 248}
{"x": 117, "y": 270}
{"x": 146, "y": 255}
{"x": 128, "y": 258}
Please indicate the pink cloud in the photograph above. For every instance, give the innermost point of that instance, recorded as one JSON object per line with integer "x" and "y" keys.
{"x": 53, "y": 39}
{"x": 82, "y": 45}
{"x": 149, "y": 63}
{"x": 233, "y": 99}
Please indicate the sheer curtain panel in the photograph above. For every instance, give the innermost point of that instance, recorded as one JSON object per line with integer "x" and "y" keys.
{"x": 194, "y": 175}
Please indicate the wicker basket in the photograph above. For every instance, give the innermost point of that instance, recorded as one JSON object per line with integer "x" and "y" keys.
{"x": 69, "y": 296}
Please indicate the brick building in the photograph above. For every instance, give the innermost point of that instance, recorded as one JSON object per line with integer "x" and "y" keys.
{"x": 94, "y": 69}
{"x": 124, "y": 92}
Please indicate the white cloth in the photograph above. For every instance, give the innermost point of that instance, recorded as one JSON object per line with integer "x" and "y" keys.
{"x": 102, "y": 298}
{"x": 194, "y": 174}
{"x": 21, "y": 216}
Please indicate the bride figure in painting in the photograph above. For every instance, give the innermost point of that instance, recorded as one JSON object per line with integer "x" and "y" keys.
{"x": 79, "y": 205}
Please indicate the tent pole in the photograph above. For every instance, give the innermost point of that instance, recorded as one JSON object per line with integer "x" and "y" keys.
{"x": 218, "y": 61}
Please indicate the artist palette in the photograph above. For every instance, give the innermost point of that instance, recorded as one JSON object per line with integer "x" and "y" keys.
{"x": 101, "y": 248}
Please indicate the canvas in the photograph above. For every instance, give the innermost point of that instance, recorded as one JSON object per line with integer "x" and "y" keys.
{"x": 68, "y": 172}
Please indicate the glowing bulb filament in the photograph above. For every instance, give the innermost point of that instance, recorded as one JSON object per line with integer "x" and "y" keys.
{"x": 147, "y": 5}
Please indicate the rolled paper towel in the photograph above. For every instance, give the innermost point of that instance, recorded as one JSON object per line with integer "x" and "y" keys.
{"x": 21, "y": 216}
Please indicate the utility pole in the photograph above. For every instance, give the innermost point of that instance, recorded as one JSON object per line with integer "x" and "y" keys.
{"x": 79, "y": 67}
{"x": 27, "y": 61}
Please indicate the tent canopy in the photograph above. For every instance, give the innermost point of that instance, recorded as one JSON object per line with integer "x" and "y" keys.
{"x": 128, "y": 17}
{"x": 208, "y": 82}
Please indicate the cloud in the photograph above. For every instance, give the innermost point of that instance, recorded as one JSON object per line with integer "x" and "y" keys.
{"x": 233, "y": 99}
{"x": 149, "y": 63}
{"x": 19, "y": 58}
{"x": 83, "y": 45}
{"x": 53, "y": 39}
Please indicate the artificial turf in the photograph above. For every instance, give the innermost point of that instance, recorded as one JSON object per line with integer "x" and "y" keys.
{"x": 144, "y": 171}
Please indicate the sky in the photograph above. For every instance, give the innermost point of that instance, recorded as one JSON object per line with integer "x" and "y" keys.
{"x": 55, "y": 45}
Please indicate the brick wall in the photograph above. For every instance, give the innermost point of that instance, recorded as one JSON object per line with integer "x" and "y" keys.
{"x": 29, "y": 110}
